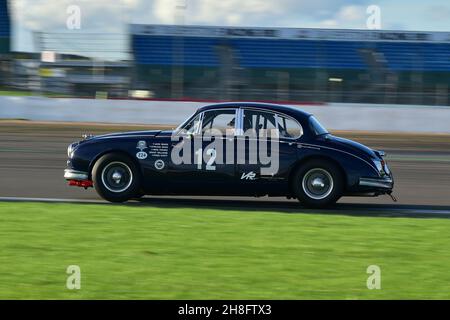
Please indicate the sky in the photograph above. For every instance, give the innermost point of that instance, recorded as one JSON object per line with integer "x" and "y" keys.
{"x": 108, "y": 19}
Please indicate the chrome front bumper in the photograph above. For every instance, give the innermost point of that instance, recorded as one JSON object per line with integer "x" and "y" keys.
{"x": 383, "y": 183}
{"x": 70, "y": 174}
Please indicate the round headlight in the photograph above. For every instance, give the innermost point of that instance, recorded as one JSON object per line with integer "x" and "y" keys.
{"x": 71, "y": 148}
{"x": 69, "y": 151}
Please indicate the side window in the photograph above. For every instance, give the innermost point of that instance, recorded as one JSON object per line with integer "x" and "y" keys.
{"x": 288, "y": 128}
{"x": 219, "y": 120}
{"x": 261, "y": 122}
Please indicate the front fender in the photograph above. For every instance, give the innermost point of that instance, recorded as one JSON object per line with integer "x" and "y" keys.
{"x": 85, "y": 156}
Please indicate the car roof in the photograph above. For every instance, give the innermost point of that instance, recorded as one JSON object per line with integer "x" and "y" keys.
{"x": 288, "y": 110}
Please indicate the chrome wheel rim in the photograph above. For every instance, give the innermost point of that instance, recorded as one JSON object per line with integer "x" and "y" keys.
{"x": 117, "y": 177}
{"x": 317, "y": 183}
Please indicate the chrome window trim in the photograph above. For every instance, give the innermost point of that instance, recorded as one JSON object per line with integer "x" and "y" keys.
{"x": 200, "y": 126}
{"x": 239, "y": 122}
{"x": 275, "y": 113}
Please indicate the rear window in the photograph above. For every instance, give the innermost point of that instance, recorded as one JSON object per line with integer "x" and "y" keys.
{"x": 288, "y": 127}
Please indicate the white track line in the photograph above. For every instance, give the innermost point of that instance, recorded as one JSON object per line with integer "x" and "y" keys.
{"x": 24, "y": 199}
{"x": 389, "y": 211}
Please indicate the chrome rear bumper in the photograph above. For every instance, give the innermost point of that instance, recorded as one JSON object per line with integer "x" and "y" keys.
{"x": 383, "y": 183}
{"x": 70, "y": 174}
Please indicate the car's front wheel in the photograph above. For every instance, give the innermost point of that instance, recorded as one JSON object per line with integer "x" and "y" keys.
{"x": 116, "y": 178}
{"x": 318, "y": 183}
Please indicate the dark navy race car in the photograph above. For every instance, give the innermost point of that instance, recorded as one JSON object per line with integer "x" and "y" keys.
{"x": 231, "y": 149}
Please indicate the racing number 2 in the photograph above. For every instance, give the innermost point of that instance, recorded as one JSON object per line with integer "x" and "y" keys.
{"x": 211, "y": 153}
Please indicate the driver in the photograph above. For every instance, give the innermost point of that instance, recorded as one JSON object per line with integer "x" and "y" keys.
{"x": 231, "y": 127}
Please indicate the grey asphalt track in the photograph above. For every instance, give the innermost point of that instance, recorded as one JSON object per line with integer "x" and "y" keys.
{"x": 33, "y": 157}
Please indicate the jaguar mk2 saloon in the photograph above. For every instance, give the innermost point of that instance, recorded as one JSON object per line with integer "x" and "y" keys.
{"x": 231, "y": 149}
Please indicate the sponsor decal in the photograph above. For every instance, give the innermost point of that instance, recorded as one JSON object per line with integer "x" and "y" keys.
{"x": 248, "y": 176}
{"x": 141, "y": 155}
{"x": 373, "y": 22}
{"x": 159, "y": 164}
{"x": 141, "y": 145}
{"x": 158, "y": 149}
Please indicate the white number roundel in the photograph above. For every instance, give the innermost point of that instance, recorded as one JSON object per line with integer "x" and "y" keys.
{"x": 141, "y": 155}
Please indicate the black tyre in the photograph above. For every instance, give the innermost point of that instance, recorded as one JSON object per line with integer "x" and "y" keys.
{"x": 116, "y": 178}
{"x": 318, "y": 184}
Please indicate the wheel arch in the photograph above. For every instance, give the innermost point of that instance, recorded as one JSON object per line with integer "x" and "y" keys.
{"x": 117, "y": 151}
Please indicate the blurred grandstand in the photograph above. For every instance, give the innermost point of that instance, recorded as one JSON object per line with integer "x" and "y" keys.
{"x": 234, "y": 63}
{"x": 293, "y": 64}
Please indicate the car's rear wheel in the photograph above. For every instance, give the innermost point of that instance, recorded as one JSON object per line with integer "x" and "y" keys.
{"x": 318, "y": 183}
{"x": 116, "y": 178}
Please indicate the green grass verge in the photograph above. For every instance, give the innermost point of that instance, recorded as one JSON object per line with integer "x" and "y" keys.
{"x": 189, "y": 253}
{"x": 14, "y": 93}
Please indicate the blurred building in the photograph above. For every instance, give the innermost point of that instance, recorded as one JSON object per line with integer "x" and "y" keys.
{"x": 85, "y": 77}
{"x": 291, "y": 64}
{"x": 72, "y": 75}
